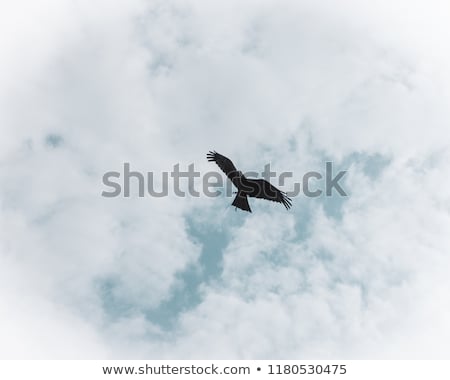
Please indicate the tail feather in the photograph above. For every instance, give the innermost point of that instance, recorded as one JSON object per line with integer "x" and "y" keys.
{"x": 241, "y": 201}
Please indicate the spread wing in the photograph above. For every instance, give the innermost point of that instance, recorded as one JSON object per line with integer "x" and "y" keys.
{"x": 260, "y": 188}
{"x": 224, "y": 164}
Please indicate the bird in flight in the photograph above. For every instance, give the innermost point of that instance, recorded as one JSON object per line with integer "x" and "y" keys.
{"x": 248, "y": 187}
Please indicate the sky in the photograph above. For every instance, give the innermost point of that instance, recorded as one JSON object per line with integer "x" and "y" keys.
{"x": 89, "y": 85}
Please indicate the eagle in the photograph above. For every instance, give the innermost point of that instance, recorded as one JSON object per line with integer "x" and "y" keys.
{"x": 248, "y": 187}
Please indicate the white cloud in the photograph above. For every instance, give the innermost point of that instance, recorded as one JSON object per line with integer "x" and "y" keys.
{"x": 87, "y": 86}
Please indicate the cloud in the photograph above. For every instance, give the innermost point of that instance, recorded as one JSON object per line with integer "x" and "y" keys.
{"x": 159, "y": 83}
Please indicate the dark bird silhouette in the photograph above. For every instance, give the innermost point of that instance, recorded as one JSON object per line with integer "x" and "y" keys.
{"x": 248, "y": 187}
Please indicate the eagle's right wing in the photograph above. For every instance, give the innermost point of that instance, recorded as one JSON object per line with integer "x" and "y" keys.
{"x": 224, "y": 163}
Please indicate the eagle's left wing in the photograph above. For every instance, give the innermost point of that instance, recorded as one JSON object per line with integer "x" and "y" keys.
{"x": 260, "y": 188}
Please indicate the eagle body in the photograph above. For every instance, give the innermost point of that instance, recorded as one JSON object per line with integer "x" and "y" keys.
{"x": 248, "y": 187}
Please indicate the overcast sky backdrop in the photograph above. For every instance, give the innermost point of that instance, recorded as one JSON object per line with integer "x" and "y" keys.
{"x": 88, "y": 85}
